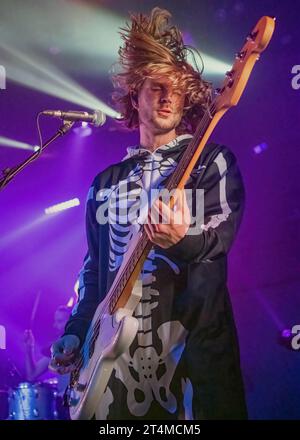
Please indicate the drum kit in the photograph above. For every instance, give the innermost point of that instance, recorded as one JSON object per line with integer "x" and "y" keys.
{"x": 31, "y": 401}
{"x": 20, "y": 400}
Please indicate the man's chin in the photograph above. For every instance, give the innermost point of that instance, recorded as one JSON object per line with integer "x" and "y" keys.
{"x": 164, "y": 125}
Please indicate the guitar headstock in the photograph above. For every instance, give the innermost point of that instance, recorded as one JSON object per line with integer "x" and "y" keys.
{"x": 236, "y": 79}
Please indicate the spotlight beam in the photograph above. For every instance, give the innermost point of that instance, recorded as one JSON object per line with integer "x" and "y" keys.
{"x": 54, "y": 83}
{"x": 8, "y": 142}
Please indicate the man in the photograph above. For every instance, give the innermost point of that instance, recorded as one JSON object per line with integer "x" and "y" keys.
{"x": 184, "y": 361}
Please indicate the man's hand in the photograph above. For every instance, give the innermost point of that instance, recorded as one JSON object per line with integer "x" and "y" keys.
{"x": 175, "y": 224}
{"x": 64, "y": 353}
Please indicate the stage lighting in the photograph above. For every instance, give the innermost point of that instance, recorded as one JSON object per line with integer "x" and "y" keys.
{"x": 14, "y": 143}
{"x": 62, "y": 206}
{"x": 285, "y": 338}
{"x": 258, "y": 149}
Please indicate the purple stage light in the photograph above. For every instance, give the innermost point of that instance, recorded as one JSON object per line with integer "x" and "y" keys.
{"x": 285, "y": 338}
{"x": 286, "y": 333}
{"x": 83, "y": 130}
{"x": 258, "y": 149}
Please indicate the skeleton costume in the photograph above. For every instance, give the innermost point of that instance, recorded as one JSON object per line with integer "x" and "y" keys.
{"x": 184, "y": 361}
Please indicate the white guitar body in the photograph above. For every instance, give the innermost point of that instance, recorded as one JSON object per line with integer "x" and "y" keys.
{"x": 116, "y": 334}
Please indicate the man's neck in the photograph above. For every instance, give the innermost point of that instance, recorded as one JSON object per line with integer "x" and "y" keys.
{"x": 151, "y": 141}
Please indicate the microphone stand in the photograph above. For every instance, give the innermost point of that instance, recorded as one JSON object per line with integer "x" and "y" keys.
{"x": 10, "y": 173}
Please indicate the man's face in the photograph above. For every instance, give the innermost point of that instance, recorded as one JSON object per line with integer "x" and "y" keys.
{"x": 160, "y": 107}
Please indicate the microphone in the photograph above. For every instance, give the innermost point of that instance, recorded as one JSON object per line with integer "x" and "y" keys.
{"x": 97, "y": 118}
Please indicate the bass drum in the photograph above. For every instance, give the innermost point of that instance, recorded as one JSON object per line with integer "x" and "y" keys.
{"x": 29, "y": 401}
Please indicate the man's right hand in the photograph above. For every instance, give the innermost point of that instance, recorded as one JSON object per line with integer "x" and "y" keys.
{"x": 64, "y": 353}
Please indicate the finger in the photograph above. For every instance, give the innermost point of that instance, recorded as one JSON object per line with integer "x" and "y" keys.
{"x": 154, "y": 230}
{"x": 61, "y": 369}
{"x": 185, "y": 209}
{"x": 166, "y": 213}
{"x": 154, "y": 237}
{"x": 60, "y": 360}
{"x": 159, "y": 238}
{"x": 65, "y": 369}
{"x": 63, "y": 359}
{"x": 68, "y": 348}
{"x": 153, "y": 218}
{"x": 161, "y": 209}
{"x": 53, "y": 365}
{"x": 182, "y": 211}
{"x": 182, "y": 200}
{"x": 153, "y": 223}
{"x": 177, "y": 199}
{"x": 157, "y": 232}
{"x": 149, "y": 231}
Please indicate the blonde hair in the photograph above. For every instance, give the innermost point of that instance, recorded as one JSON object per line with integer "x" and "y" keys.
{"x": 154, "y": 49}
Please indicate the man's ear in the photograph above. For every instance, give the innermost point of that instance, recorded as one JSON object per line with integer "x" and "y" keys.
{"x": 134, "y": 99}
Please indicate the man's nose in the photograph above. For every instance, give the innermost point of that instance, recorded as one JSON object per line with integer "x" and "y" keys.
{"x": 166, "y": 97}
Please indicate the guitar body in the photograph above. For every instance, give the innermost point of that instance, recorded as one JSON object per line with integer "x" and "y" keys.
{"x": 116, "y": 333}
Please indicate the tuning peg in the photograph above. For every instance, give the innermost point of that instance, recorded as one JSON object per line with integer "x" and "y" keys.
{"x": 229, "y": 74}
{"x": 240, "y": 55}
{"x": 252, "y": 36}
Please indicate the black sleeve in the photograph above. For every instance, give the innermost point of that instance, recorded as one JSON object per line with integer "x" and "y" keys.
{"x": 223, "y": 208}
{"x": 88, "y": 300}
